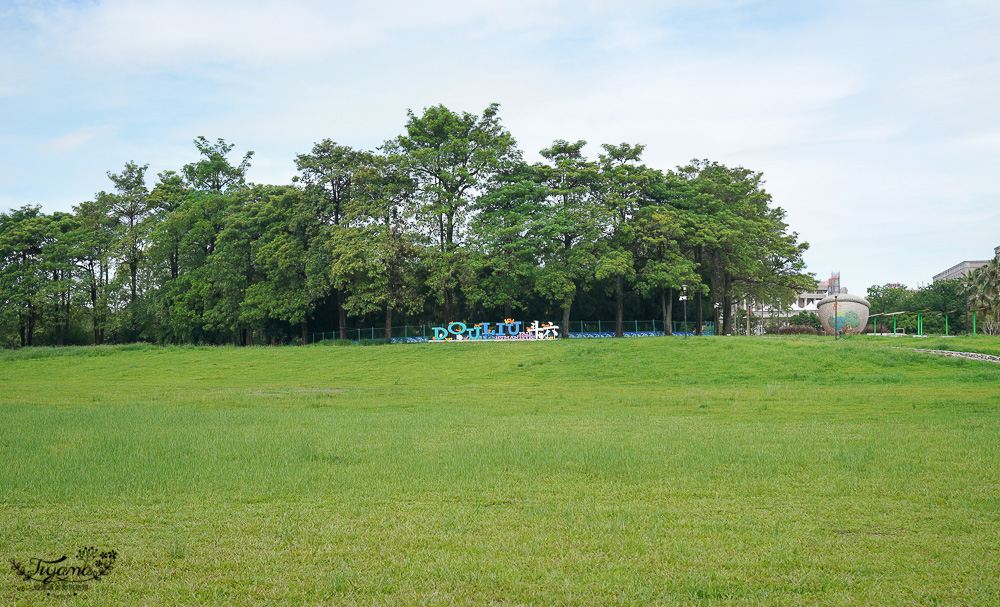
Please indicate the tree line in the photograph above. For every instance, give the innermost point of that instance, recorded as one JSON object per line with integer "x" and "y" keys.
{"x": 957, "y": 306}
{"x": 444, "y": 222}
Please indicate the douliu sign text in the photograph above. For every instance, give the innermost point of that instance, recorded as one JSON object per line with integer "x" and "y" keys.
{"x": 509, "y": 329}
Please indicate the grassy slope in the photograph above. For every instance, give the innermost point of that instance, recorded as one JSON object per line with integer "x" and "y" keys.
{"x": 709, "y": 471}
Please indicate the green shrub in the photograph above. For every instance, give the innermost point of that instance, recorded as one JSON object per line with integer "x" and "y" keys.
{"x": 806, "y": 319}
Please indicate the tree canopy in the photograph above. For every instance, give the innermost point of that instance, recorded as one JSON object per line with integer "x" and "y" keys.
{"x": 444, "y": 222}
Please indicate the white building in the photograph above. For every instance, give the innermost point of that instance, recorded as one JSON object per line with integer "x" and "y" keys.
{"x": 963, "y": 268}
{"x": 807, "y": 300}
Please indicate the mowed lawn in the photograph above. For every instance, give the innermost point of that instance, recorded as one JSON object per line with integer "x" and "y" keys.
{"x": 709, "y": 471}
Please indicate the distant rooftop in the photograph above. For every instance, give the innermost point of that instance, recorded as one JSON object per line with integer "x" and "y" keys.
{"x": 963, "y": 268}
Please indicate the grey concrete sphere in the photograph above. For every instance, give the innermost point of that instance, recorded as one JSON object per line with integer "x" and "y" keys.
{"x": 852, "y": 311}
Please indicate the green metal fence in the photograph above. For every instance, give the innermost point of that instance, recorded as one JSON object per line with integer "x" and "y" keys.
{"x": 576, "y": 326}
{"x": 681, "y": 326}
{"x": 372, "y": 333}
{"x": 608, "y": 326}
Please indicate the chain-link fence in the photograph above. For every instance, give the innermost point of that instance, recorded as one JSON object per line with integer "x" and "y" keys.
{"x": 577, "y": 329}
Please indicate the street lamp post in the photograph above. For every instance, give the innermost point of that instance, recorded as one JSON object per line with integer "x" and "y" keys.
{"x": 684, "y": 298}
{"x": 836, "y": 318}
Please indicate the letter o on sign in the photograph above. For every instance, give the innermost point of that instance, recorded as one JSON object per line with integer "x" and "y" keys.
{"x": 452, "y": 329}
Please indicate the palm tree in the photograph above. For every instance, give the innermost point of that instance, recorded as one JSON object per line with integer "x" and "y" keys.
{"x": 984, "y": 288}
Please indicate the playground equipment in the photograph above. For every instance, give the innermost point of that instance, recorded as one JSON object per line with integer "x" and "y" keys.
{"x": 920, "y": 316}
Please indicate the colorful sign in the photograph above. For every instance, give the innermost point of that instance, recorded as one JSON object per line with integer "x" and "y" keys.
{"x": 508, "y": 330}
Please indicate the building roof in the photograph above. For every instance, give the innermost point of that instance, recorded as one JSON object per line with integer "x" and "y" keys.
{"x": 960, "y": 269}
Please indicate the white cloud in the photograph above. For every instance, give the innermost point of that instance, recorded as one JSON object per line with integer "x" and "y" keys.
{"x": 883, "y": 113}
{"x": 177, "y": 33}
{"x": 74, "y": 141}
{"x": 984, "y": 141}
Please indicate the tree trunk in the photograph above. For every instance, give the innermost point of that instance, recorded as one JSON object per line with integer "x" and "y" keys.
{"x": 748, "y": 317}
{"x": 564, "y": 327}
{"x": 59, "y": 323}
{"x": 667, "y": 303}
{"x": 58, "y": 312}
{"x": 68, "y": 302}
{"x": 31, "y": 324}
{"x": 727, "y": 315}
{"x": 133, "y": 270}
{"x": 341, "y": 315}
{"x": 699, "y": 313}
{"x": 101, "y": 272}
{"x": 305, "y": 332}
{"x": 93, "y": 303}
{"x": 388, "y": 323}
{"x": 449, "y": 310}
{"x": 620, "y": 296}
{"x": 712, "y": 312}
{"x": 507, "y": 311}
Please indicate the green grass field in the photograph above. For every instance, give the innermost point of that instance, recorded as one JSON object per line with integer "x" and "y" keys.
{"x": 710, "y": 471}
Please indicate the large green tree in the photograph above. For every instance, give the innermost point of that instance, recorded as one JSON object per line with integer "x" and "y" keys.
{"x": 170, "y": 225}
{"x": 451, "y": 158}
{"x": 129, "y": 208}
{"x": 191, "y": 209}
{"x": 569, "y": 225}
{"x": 505, "y": 249}
{"x": 328, "y": 173}
{"x": 23, "y": 233}
{"x": 214, "y": 172}
{"x": 281, "y": 234}
{"x": 623, "y": 185}
{"x": 58, "y": 264}
{"x": 94, "y": 243}
{"x": 661, "y": 234}
{"x": 740, "y": 242}
{"x": 374, "y": 257}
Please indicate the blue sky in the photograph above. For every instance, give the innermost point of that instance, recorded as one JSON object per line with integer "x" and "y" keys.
{"x": 876, "y": 124}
